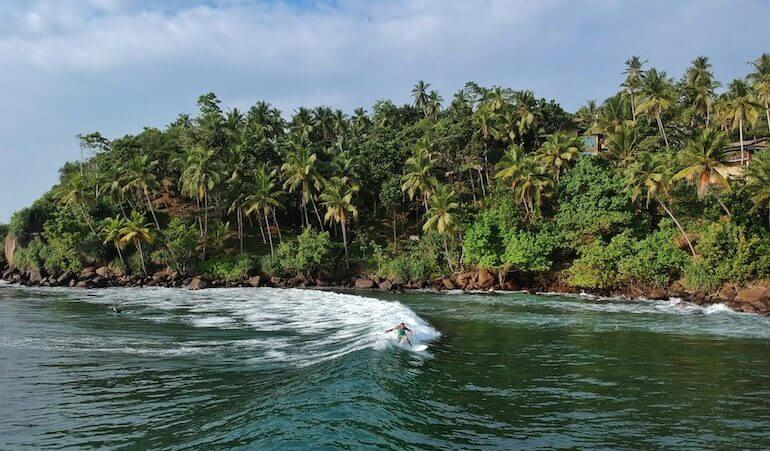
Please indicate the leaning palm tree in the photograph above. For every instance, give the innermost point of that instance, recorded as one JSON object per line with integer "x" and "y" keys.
{"x": 760, "y": 80}
{"x": 112, "y": 232}
{"x": 136, "y": 231}
{"x": 440, "y": 217}
{"x": 657, "y": 97}
{"x": 75, "y": 193}
{"x": 705, "y": 159}
{"x": 738, "y": 109}
{"x": 418, "y": 176}
{"x": 558, "y": 151}
{"x": 337, "y": 197}
{"x": 649, "y": 176}
{"x": 632, "y": 85}
{"x": 758, "y": 182}
{"x": 140, "y": 176}
{"x": 263, "y": 198}
{"x": 421, "y": 96}
{"x": 300, "y": 171}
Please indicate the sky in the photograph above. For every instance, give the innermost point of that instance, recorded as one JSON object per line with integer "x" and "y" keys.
{"x": 116, "y": 66}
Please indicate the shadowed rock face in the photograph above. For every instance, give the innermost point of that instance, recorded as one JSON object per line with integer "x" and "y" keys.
{"x": 9, "y": 248}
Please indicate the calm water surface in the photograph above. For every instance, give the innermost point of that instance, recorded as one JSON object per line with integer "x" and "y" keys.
{"x": 264, "y": 368}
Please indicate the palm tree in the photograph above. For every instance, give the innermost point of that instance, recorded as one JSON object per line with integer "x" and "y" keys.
{"x": 433, "y": 108}
{"x": 739, "y": 108}
{"x": 650, "y": 177}
{"x": 760, "y": 79}
{"x": 440, "y": 217}
{"x": 418, "y": 176}
{"x": 633, "y": 82}
{"x": 75, "y": 192}
{"x": 526, "y": 111}
{"x": 699, "y": 86}
{"x": 140, "y": 176}
{"x": 421, "y": 96}
{"x": 135, "y": 230}
{"x": 625, "y": 142}
{"x": 557, "y": 151}
{"x": 202, "y": 173}
{"x": 758, "y": 182}
{"x": 301, "y": 173}
{"x": 533, "y": 185}
{"x": 705, "y": 158}
{"x": 657, "y": 97}
{"x": 263, "y": 197}
{"x": 337, "y": 197}
{"x": 112, "y": 231}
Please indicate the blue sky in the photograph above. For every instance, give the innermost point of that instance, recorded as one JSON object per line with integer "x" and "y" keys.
{"x": 114, "y": 66}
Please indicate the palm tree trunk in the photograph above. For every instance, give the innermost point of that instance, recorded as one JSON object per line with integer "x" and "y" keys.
{"x": 87, "y": 218}
{"x": 767, "y": 113}
{"x": 261, "y": 230}
{"x": 724, "y": 207}
{"x": 740, "y": 131}
{"x": 120, "y": 254}
{"x": 678, "y": 226}
{"x": 344, "y": 239}
{"x": 473, "y": 188}
{"x": 152, "y": 211}
{"x": 277, "y": 228}
{"x": 269, "y": 235}
{"x": 448, "y": 257}
{"x": 633, "y": 106}
{"x": 205, "y": 221}
{"x": 141, "y": 255}
{"x": 394, "y": 229}
{"x": 240, "y": 227}
{"x": 662, "y": 130}
{"x": 315, "y": 208}
{"x": 481, "y": 182}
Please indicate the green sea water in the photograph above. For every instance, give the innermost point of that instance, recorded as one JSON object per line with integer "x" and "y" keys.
{"x": 282, "y": 369}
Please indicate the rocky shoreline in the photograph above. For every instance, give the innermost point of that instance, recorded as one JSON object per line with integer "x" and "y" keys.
{"x": 746, "y": 299}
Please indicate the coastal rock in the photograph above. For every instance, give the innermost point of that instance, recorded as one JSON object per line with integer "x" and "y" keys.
{"x": 253, "y": 281}
{"x": 656, "y": 294}
{"x": 749, "y": 295}
{"x": 364, "y": 283}
{"x": 161, "y": 276}
{"x": 34, "y": 277}
{"x": 197, "y": 284}
{"x": 385, "y": 285}
{"x": 485, "y": 279}
{"x": 321, "y": 282}
{"x": 103, "y": 271}
{"x": 727, "y": 292}
{"x": 65, "y": 278}
{"x": 99, "y": 282}
{"x": 88, "y": 272}
{"x": 83, "y": 284}
{"x": 511, "y": 285}
{"x": 448, "y": 284}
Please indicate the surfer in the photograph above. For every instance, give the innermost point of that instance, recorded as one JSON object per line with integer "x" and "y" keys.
{"x": 401, "y": 330}
{"x": 116, "y": 310}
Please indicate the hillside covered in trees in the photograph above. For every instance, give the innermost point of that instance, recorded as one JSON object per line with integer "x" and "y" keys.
{"x": 492, "y": 178}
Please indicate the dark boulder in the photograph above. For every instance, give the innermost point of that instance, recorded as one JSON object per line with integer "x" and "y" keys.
{"x": 364, "y": 283}
{"x": 485, "y": 278}
{"x": 253, "y": 281}
{"x": 197, "y": 283}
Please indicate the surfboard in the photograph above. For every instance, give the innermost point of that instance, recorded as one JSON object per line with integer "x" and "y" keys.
{"x": 420, "y": 348}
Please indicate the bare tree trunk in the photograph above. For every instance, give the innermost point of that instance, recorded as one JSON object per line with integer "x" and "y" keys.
{"x": 767, "y": 113}
{"x": 152, "y": 210}
{"x": 269, "y": 235}
{"x": 120, "y": 255}
{"x": 722, "y": 204}
{"x": 315, "y": 208}
{"x": 662, "y": 130}
{"x": 473, "y": 188}
{"x": 205, "y": 221}
{"x": 261, "y": 230}
{"x": 344, "y": 239}
{"x": 239, "y": 215}
{"x": 141, "y": 255}
{"x": 448, "y": 257}
{"x": 481, "y": 182}
{"x": 277, "y": 228}
{"x": 87, "y": 218}
{"x": 679, "y": 226}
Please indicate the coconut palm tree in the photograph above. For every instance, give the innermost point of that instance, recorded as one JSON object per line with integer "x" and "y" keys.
{"x": 558, "y": 151}
{"x": 699, "y": 86}
{"x": 758, "y": 182}
{"x": 526, "y": 112}
{"x": 263, "y": 197}
{"x": 300, "y": 171}
{"x": 612, "y": 115}
{"x": 433, "y": 108}
{"x": 112, "y": 232}
{"x": 509, "y": 165}
{"x": 75, "y": 193}
{"x": 705, "y": 159}
{"x": 201, "y": 175}
{"x": 418, "y": 177}
{"x": 421, "y": 96}
{"x": 440, "y": 217}
{"x": 649, "y": 176}
{"x": 533, "y": 185}
{"x": 738, "y": 109}
{"x": 760, "y": 79}
{"x": 140, "y": 176}
{"x": 632, "y": 85}
{"x": 625, "y": 143}
{"x": 337, "y": 197}
{"x": 657, "y": 97}
{"x": 136, "y": 231}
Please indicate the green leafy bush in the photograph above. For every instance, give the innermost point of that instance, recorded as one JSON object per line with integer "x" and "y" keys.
{"x": 180, "y": 249}
{"x": 528, "y": 251}
{"x": 655, "y": 260}
{"x": 599, "y": 264}
{"x": 228, "y": 268}
{"x": 310, "y": 254}
{"x": 484, "y": 245}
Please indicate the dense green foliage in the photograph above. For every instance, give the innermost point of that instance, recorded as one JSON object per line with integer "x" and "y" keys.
{"x": 492, "y": 178}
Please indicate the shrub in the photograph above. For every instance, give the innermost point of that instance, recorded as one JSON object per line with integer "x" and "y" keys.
{"x": 228, "y": 268}
{"x": 654, "y": 260}
{"x": 598, "y": 264}
{"x": 310, "y": 254}
{"x": 483, "y": 245}
{"x": 528, "y": 251}
{"x": 180, "y": 250}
